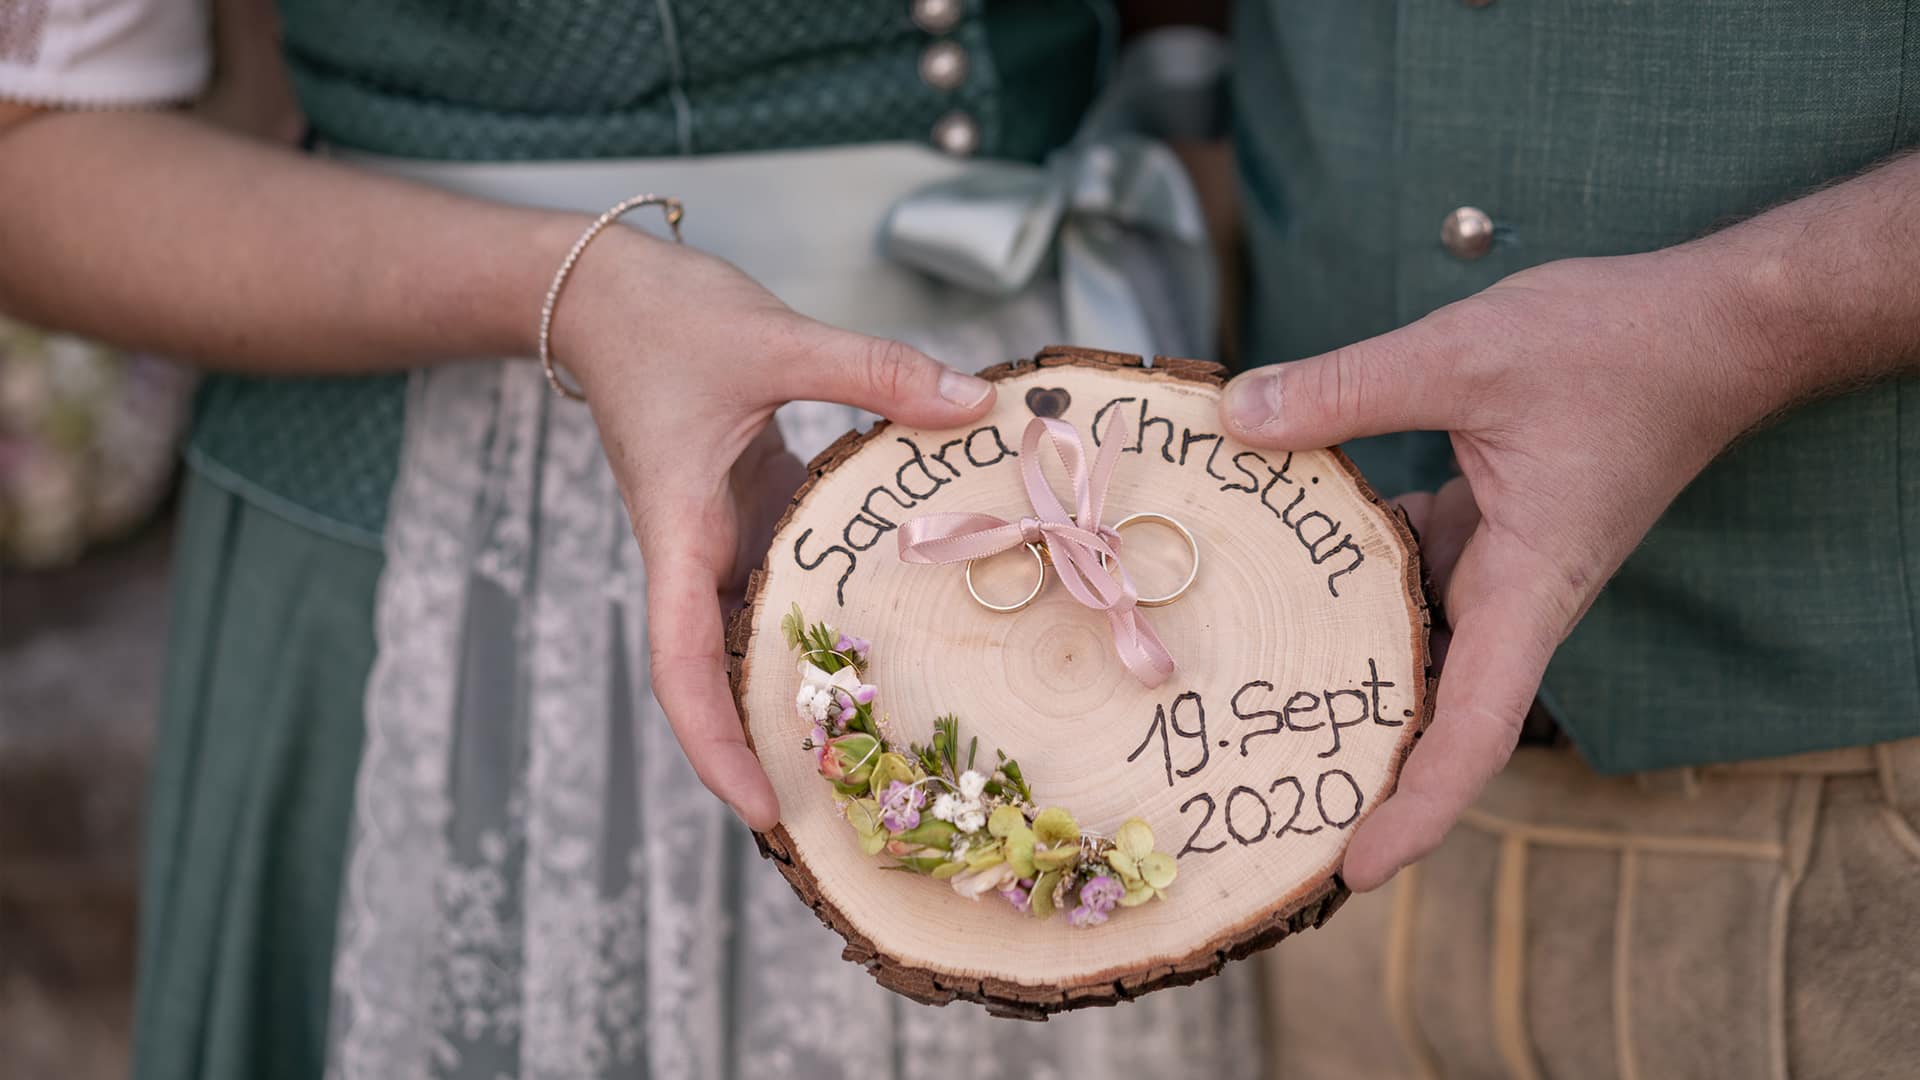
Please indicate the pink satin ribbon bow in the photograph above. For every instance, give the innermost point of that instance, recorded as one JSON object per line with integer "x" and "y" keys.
{"x": 1076, "y": 551}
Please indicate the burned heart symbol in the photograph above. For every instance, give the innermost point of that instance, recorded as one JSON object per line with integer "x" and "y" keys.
{"x": 1048, "y": 402}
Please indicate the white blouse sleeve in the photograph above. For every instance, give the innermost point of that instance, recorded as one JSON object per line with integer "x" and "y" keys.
{"x": 103, "y": 53}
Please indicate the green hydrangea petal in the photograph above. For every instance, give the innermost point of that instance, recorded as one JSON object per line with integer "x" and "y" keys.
{"x": 1041, "y": 899}
{"x": 891, "y": 767}
{"x": 1158, "y": 869}
{"x": 864, "y": 816}
{"x": 931, "y": 832}
{"x": 984, "y": 856}
{"x": 1135, "y": 838}
{"x": 1055, "y": 826}
{"x": 1005, "y": 819}
{"x": 948, "y": 869}
{"x": 1136, "y": 897}
{"x": 1019, "y": 848}
{"x": 1059, "y": 858}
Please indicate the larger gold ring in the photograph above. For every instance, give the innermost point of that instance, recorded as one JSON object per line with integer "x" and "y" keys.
{"x": 1193, "y": 546}
{"x": 1039, "y": 583}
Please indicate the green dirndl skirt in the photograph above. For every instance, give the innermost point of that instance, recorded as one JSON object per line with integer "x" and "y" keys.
{"x": 251, "y": 793}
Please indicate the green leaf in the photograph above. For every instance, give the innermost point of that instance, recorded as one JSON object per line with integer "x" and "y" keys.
{"x": 792, "y": 626}
{"x": 1135, "y": 838}
{"x": 872, "y": 844}
{"x": 1158, "y": 869}
{"x": 923, "y": 864}
{"x": 1054, "y": 826}
{"x": 1059, "y": 858}
{"x": 1005, "y": 819}
{"x": 947, "y": 869}
{"x": 1041, "y": 899}
{"x": 931, "y": 832}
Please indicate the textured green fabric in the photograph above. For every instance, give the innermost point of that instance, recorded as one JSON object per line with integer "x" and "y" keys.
{"x": 504, "y": 79}
{"x": 1774, "y": 608}
{"x": 320, "y": 450}
{"x": 250, "y": 793}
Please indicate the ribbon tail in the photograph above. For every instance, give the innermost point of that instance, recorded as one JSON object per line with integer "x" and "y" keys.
{"x": 1140, "y": 648}
{"x": 951, "y": 538}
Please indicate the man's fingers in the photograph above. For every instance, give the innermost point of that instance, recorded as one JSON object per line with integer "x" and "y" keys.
{"x": 887, "y": 377}
{"x": 1444, "y": 521}
{"x": 1394, "y": 382}
{"x": 1451, "y": 522}
{"x": 1500, "y": 648}
{"x": 690, "y": 679}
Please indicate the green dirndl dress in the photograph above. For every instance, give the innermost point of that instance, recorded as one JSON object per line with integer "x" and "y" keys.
{"x": 251, "y": 791}
{"x": 278, "y": 605}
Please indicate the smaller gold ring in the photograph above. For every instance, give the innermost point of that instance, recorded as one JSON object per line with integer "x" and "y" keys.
{"x": 1007, "y": 609}
{"x": 1192, "y": 546}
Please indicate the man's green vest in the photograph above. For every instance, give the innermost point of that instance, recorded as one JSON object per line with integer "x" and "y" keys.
{"x": 1776, "y": 607}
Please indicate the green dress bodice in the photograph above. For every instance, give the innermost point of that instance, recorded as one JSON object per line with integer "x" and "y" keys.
{"x": 507, "y": 80}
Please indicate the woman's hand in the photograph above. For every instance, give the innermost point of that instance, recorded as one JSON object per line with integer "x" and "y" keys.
{"x": 684, "y": 360}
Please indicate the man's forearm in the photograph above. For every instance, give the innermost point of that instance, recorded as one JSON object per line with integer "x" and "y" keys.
{"x": 1832, "y": 282}
{"x": 158, "y": 231}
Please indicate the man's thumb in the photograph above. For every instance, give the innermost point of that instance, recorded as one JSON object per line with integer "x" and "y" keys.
{"x": 1395, "y": 382}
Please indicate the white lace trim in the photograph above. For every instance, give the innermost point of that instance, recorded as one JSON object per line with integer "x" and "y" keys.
{"x": 538, "y": 885}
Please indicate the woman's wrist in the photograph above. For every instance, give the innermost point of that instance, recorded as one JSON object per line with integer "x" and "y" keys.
{"x": 597, "y": 288}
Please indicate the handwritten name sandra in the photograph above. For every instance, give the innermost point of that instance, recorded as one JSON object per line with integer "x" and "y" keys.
{"x": 1249, "y": 473}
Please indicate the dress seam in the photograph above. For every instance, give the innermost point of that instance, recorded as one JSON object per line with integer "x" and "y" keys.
{"x": 279, "y": 505}
{"x": 677, "y": 78}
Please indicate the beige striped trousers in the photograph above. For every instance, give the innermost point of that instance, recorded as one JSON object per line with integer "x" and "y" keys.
{"x": 1758, "y": 921}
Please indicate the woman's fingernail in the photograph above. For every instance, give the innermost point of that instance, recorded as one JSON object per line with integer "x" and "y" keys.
{"x": 962, "y": 389}
{"x": 1253, "y": 401}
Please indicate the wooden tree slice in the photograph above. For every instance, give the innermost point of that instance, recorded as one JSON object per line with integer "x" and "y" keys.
{"x": 1302, "y": 683}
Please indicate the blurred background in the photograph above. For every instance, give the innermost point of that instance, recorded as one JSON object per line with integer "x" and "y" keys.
{"x": 88, "y": 450}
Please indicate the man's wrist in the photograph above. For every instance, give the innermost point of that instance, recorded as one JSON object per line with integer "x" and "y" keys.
{"x": 1822, "y": 286}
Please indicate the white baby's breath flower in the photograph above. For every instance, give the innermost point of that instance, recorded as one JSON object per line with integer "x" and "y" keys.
{"x": 945, "y": 807}
{"x": 803, "y": 701}
{"x": 971, "y": 785}
{"x": 970, "y": 819}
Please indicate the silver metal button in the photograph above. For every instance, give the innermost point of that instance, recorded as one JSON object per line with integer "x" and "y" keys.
{"x": 944, "y": 65}
{"x": 1467, "y": 233}
{"x": 957, "y": 133}
{"x": 936, "y": 16}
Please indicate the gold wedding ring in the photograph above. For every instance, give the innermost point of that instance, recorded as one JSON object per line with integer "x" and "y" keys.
{"x": 1039, "y": 583}
{"x": 1043, "y": 561}
{"x": 1193, "y": 548}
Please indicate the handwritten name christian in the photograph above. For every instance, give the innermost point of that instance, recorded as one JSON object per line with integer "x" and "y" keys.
{"x": 1247, "y": 473}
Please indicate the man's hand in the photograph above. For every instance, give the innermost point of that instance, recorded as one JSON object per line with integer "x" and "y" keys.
{"x": 1581, "y": 396}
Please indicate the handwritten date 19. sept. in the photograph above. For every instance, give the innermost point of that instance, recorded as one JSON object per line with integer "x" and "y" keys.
{"x": 1303, "y": 712}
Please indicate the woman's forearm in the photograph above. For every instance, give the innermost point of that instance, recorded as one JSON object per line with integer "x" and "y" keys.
{"x": 159, "y": 231}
